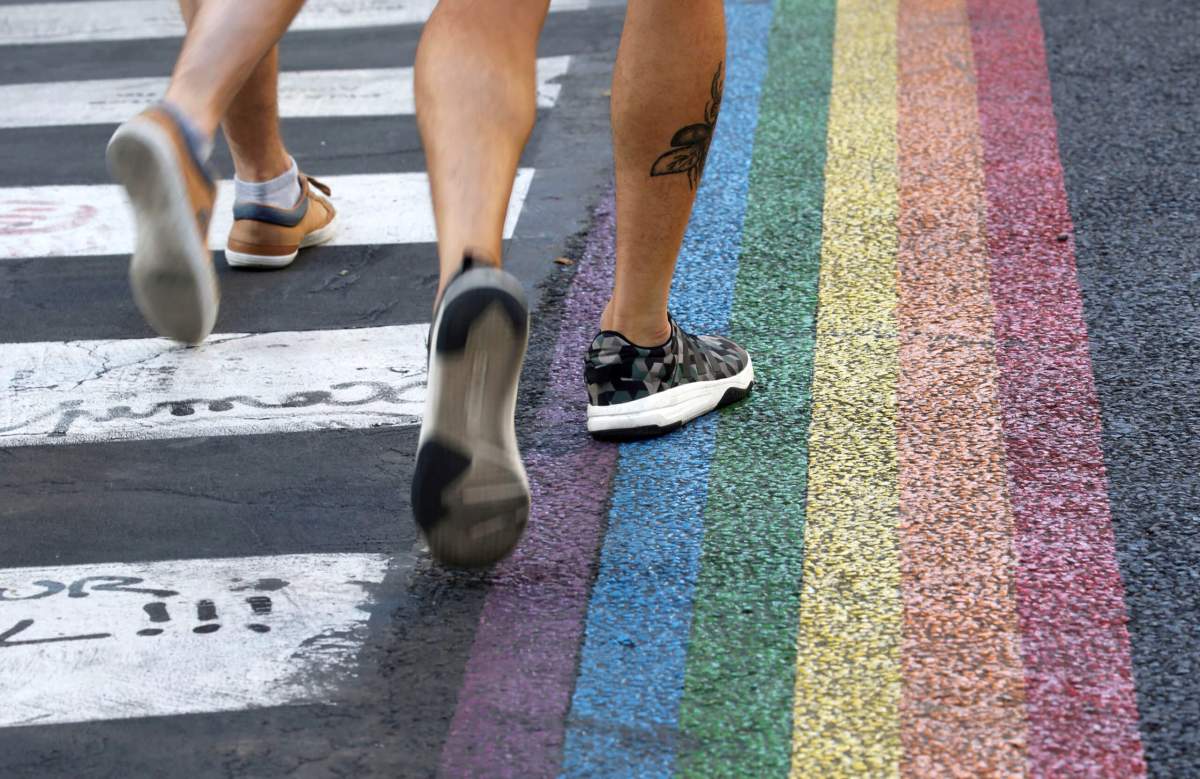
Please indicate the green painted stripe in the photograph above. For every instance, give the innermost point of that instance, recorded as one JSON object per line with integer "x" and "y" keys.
{"x": 736, "y": 714}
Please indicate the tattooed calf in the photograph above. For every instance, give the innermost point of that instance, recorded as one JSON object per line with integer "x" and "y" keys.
{"x": 689, "y": 145}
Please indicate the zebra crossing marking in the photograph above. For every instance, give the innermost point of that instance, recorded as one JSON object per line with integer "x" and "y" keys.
{"x": 80, "y": 220}
{"x": 120, "y": 640}
{"x": 123, "y": 640}
{"x": 115, "y": 20}
{"x": 302, "y": 93}
{"x": 233, "y": 384}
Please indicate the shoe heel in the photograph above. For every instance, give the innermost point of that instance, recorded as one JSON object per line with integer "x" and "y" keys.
{"x": 469, "y": 519}
{"x": 171, "y": 272}
{"x": 470, "y": 494}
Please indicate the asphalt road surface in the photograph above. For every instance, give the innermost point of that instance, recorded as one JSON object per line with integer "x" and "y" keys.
{"x": 955, "y": 531}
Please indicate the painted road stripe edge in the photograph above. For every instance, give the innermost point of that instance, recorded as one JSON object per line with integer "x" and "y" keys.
{"x": 302, "y": 94}
{"x": 1080, "y": 696}
{"x": 747, "y": 597}
{"x": 113, "y": 20}
{"x": 233, "y": 384}
{"x": 526, "y": 649}
{"x": 118, "y": 640}
{"x": 96, "y": 219}
{"x": 848, "y": 650}
{"x": 632, "y": 663}
{"x": 963, "y": 696}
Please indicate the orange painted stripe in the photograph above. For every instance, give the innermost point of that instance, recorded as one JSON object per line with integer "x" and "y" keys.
{"x": 962, "y": 706}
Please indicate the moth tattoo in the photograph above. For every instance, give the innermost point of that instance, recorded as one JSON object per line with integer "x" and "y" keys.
{"x": 689, "y": 145}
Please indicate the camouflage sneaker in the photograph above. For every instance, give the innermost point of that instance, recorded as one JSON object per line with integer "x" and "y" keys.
{"x": 638, "y": 391}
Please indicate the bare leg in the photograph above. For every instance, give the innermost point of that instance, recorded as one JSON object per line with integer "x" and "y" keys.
{"x": 668, "y": 77}
{"x": 251, "y": 123}
{"x": 475, "y": 86}
{"x": 230, "y": 42}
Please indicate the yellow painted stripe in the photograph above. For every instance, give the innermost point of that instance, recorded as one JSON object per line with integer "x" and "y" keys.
{"x": 848, "y": 680}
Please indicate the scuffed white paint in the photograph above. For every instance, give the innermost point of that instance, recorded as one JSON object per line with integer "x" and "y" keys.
{"x": 92, "y": 220}
{"x": 308, "y": 93}
{"x": 114, "y": 20}
{"x": 233, "y": 384}
{"x": 316, "y": 624}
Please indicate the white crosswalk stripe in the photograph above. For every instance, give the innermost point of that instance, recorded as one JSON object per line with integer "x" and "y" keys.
{"x": 233, "y": 384}
{"x": 118, "y": 640}
{"x": 95, "y": 219}
{"x": 308, "y": 93}
{"x": 115, "y": 20}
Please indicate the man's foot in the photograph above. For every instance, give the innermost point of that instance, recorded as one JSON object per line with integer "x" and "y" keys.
{"x": 638, "y": 391}
{"x": 267, "y": 237}
{"x": 172, "y": 194}
{"x": 469, "y": 493}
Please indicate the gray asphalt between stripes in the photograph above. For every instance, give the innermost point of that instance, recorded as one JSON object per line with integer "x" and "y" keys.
{"x": 324, "y": 146}
{"x": 325, "y": 288}
{"x": 1126, "y": 79}
{"x": 288, "y": 493}
{"x": 190, "y": 498}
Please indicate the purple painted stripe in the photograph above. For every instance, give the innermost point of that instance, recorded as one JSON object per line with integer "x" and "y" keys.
{"x": 517, "y": 685}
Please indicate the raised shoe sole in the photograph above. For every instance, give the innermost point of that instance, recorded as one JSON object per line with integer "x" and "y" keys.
{"x": 470, "y": 494}
{"x": 171, "y": 272}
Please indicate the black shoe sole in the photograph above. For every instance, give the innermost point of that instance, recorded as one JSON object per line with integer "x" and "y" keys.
{"x": 470, "y": 495}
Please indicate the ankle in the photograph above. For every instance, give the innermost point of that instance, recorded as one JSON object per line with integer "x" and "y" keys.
{"x": 470, "y": 257}
{"x": 642, "y": 329}
{"x": 198, "y": 131}
{"x": 280, "y": 191}
{"x": 262, "y": 168}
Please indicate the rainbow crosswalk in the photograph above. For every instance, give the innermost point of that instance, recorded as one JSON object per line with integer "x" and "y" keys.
{"x": 925, "y": 546}
{"x": 896, "y": 559}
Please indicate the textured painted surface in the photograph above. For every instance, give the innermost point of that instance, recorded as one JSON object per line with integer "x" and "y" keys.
{"x": 94, "y": 220}
{"x": 624, "y": 713}
{"x": 307, "y": 93}
{"x": 962, "y": 709}
{"x": 848, "y": 650}
{"x": 735, "y": 717}
{"x": 133, "y": 19}
{"x": 1079, "y": 687}
{"x": 1125, "y": 85}
{"x": 908, "y": 660}
{"x": 516, "y": 689}
{"x": 235, "y": 384}
{"x": 122, "y": 640}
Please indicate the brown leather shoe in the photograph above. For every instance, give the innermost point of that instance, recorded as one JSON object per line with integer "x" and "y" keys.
{"x": 172, "y": 194}
{"x": 267, "y": 237}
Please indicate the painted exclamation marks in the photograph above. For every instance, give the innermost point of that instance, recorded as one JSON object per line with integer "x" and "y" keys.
{"x": 206, "y": 611}
{"x": 260, "y": 605}
{"x": 157, "y": 613}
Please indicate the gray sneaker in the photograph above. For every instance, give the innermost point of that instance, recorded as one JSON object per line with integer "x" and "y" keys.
{"x": 640, "y": 391}
{"x": 470, "y": 496}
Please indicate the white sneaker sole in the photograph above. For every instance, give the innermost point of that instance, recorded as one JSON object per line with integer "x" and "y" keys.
{"x": 171, "y": 271}
{"x": 470, "y": 494}
{"x": 665, "y": 411}
{"x": 243, "y": 260}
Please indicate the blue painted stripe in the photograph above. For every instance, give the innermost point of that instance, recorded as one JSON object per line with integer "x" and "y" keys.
{"x": 625, "y": 711}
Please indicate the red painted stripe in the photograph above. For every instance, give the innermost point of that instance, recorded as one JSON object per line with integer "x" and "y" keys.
{"x": 1080, "y": 695}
